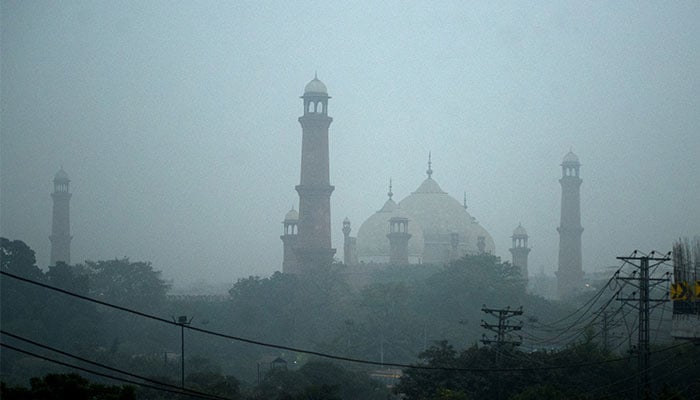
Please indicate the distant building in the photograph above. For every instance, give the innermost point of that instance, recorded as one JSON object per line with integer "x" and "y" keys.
{"x": 349, "y": 244}
{"x": 60, "y": 227}
{"x": 570, "y": 271}
{"x": 520, "y": 251}
{"x": 428, "y": 226}
{"x": 289, "y": 236}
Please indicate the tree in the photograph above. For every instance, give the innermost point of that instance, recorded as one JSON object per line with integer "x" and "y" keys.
{"x": 66, "y": 386}
{"x": 319, "y": 380}
{"x": 126, "y": 283}
{"x": 17, "y": 258}
{"x": 23, "y": 304}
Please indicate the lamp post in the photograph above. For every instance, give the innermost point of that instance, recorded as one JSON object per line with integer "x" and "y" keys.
{"x": 182, "y": 321}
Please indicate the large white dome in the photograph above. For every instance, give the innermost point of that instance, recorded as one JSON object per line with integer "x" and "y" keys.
{"x": 440, "y": 216}
{"x": 436, "y": 223}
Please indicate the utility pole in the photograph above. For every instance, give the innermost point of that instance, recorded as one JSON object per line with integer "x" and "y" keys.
{"x": 605, "y": 331}
{"x": 502, "y": 329}
{"x": 501, "y": 337}
{"x": 182, "y": 321}
{"x": 641, "y": 280}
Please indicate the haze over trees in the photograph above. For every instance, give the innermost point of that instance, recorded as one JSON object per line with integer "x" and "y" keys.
{"x": 428, "y": 316}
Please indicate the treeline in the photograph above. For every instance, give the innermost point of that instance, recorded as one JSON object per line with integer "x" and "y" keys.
{"x": 403, "y": 312}
{"x": 582, "y": 371}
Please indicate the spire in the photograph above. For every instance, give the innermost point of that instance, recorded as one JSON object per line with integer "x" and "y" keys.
{"x": 430, "y": 166}
{"x": 390, "y": 194}
{"x": 316, "y": 74}
{"x": 465, "y": 201}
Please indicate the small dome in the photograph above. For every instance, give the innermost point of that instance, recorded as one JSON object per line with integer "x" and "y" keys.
{"x": 372, "y": 243}
{"x": 571, "y": 158}
{"x": 292, "y": 215}
{"x": 315, "y": 87}
{"x": 520, "y": 231}
{"x": 61, "y": 176}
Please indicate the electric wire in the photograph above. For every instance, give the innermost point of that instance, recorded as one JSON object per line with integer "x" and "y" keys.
{"x": 592, "y": 299}
{"x": 46, "y": 347}
{"x": 637, "y": 374}
{"x": 625, "y": 379}
{"x": 65, "y": 364}
{"x": 310, "y": 352}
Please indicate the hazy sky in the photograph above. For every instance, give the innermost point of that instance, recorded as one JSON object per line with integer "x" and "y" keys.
{"x": 177, "y": 121}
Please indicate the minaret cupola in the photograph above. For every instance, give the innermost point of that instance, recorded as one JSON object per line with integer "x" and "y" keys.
{"x": 315, "y": 97}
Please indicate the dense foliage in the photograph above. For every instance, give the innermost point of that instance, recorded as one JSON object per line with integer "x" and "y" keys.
{"x": 581, "y": 371}
{"x": 66, "y": 386}
{"x": 402, "y": 312}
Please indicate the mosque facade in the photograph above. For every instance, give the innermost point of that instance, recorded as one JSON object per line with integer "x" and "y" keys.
{"x": 426, "y": 227}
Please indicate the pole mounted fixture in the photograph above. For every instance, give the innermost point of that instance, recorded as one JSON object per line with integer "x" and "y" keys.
{"x": 182, "y": 321}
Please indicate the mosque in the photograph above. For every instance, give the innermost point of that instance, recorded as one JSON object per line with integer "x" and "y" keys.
{"x": 435, "y": 226}
{"x": 426, "y": 227}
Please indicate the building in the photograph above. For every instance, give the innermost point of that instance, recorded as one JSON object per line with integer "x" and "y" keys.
{"x": 520, "y": 251}
{"x": 570, "y": 271}
{"x": 349, "y": 244}
{"x": 428, "y": 226}
{"x": 308, "y": 245}
{"x": 60, "y": 227}
{"x": 290, "y": 263}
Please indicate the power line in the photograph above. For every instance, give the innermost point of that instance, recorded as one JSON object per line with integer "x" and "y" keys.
{"x": 161, "y": 388}
{"x": 43, "y": 346}
{"x": 636, "y": 374}
{"x": 588, "y": 303}
{"x": 310, "y": 352}
{"x": 643, "y": 282}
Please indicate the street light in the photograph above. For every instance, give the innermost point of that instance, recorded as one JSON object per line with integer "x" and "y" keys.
{"x": 182, "y": 321}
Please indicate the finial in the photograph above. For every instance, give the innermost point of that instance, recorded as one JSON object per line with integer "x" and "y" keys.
{"x": 390, "y": 194}
{"x": 316, "y": 74}
{"x": 465, "y": 200}
{"x": 430, "y": 165}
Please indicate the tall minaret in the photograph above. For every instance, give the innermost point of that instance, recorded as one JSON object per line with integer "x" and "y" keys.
{"x": 520, "y": 250}
{"x": 570, "y": 272}
{"x": 60, "y": 227}
{"x": 314, "y": 242}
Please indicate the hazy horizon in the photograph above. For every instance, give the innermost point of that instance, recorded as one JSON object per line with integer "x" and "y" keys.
{"x": 177, "y": 122}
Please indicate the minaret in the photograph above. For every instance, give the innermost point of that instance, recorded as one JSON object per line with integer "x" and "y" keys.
{"x": 398, "y": 240}
{"x": 290, "y": 265}
{"x": 570, "y": 272}
{"x": 314, "y": 242}
{"x": 60, "y": 227}
{"x": 349, "y": 244}
{"x": 520, "y": 250}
